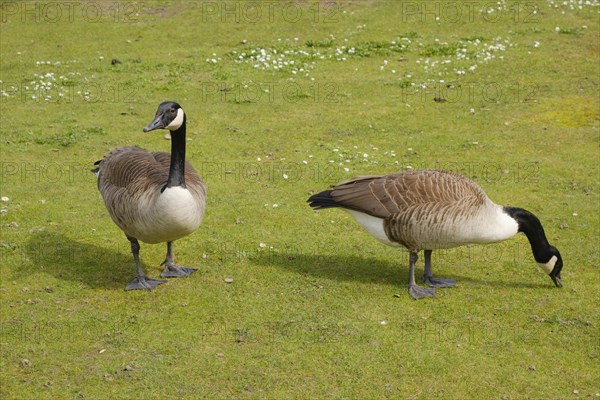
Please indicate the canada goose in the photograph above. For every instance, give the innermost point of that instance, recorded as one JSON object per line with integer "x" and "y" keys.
{"x": 154, "y": 197}
{"x": 429, "y": 210}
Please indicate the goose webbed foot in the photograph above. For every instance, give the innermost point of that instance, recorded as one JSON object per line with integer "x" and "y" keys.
{"x": 419, "y": 292}
{"x": 175, "y": 271}
{"x": 428, "y": 275}
{"x": 439, "y": 282}
{"x": 416, "y": 291}
{"x": 142, "y": 282}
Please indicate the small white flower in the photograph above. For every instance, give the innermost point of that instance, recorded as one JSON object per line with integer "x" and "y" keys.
{"x": 4, "y": 198}
{"x": 285, "y": 176}
{"x": 262, "y": 245}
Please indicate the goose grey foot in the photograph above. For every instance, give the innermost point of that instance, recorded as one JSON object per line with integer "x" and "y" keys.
{"x": 439, "y": 282}
{"x": 416, "y": 291}
{"x": 419, "y": 292}
{"x": 142, "y": 282}
{"x": 428, "y": 275}
{"x": 175, "y": 271}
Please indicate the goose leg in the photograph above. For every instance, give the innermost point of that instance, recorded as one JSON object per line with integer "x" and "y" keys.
{"x": 416, "y": 291}
{"x": 141, "y": 281}
{"x": 171, "y": 269}
{"x": 428, "y": 275}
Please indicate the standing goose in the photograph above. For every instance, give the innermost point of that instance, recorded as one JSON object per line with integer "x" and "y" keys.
{"x": 154, "y": 197}
{"x": 429, "y": 210}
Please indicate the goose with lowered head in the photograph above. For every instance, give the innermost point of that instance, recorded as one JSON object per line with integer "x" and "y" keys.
{"x": 429, "y": 210}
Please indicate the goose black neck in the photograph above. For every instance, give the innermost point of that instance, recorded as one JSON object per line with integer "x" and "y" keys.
{"x": 531, "y": 226}
{"x": 177, "y": 168}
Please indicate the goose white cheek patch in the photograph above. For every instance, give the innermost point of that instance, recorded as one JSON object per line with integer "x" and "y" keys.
{"x": 549, "y": 266}
{"x": 176, "y": 123}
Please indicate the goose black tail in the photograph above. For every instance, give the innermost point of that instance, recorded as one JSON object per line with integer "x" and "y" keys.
{"x": 322, "y": 200}
{"x": 97, "y": 169}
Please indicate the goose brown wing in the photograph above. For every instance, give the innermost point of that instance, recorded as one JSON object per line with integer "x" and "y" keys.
{"x": 133, "y": 168}
{"x": 382, "y": 196}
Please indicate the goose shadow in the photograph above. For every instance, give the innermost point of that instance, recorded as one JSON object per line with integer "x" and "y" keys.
{"x": 67, "y": 259}
{"x": 366, "y": 269}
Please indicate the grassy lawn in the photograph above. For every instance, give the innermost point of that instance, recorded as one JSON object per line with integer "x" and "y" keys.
{"x": 285, "y": 98}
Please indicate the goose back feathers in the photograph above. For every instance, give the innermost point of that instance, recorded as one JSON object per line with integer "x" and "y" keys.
{"x": 421, "y": 209}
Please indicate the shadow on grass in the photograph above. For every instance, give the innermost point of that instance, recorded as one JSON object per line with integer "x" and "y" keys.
{"x": 66, "y": 259}
{"x": 372, "y": 270}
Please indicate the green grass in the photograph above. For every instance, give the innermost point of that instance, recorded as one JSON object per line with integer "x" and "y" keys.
{"x": 312, "y": 311}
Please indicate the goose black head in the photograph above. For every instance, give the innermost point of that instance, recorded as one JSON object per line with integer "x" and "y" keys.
{"x": 553, "y": 266}
{"x": 169, "y": 115}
